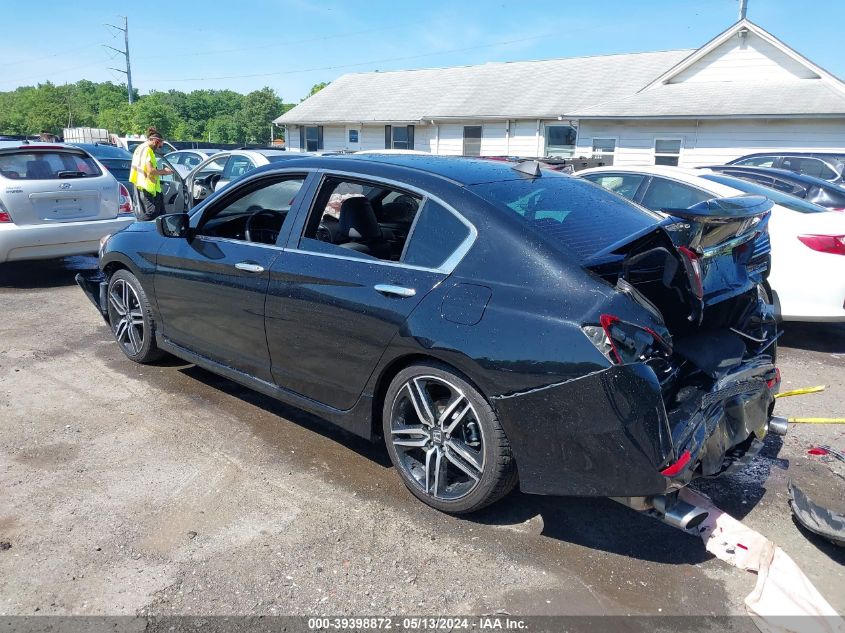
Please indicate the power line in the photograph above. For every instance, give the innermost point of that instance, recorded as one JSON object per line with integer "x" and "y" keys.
{"x": 28, "y": 60}
{"x": 372, "y": 61}
{"x": 125, "y": 53}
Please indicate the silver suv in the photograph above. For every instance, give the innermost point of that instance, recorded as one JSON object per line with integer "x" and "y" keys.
{"x": 56, "y": 200}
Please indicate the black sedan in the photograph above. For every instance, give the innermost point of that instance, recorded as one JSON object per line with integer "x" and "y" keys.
{"x": 491, "y": 323}
{"x": 809, "y": 188}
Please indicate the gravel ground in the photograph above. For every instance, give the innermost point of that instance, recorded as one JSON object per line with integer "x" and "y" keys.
{"x": 130, "y": 490}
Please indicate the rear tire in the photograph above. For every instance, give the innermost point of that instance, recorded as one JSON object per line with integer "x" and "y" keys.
{"x": 445, "y": 440}
{"x": 131, "y": 318}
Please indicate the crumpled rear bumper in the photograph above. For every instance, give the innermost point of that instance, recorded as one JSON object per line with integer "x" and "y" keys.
{"x": 609, "y": 434}
{"x": 95, "y": 286}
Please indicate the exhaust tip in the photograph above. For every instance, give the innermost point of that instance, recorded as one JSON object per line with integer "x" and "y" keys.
{"x": 778, "y": 425}
{"x": 685, "y": 516}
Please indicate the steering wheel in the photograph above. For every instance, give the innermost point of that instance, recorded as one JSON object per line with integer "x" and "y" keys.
{"x": 263, "y": 234}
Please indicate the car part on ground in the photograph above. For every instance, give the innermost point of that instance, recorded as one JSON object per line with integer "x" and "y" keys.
{"x": 629, "y": 368}
{"x": 55, "y": 200}
{"x": 815, "y": 518}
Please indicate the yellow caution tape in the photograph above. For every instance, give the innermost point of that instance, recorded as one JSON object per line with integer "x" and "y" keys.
{"x": 817, "y": 420}
{"x": 801, "y": 392}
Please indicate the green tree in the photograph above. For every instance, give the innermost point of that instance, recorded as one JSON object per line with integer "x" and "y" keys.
{"x": 259, "y": 109}
{"x": 156, "y": 111}
{"x": 317, "y": 88}
{"x": 224, "y": 129}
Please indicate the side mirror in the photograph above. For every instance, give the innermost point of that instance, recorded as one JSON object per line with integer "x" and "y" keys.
{"x": 173, "y": 225}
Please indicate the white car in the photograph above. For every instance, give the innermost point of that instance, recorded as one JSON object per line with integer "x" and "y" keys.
{"x": 184, "y": 160}
{"x": 56, "y": 200}
{"x": 807, "y": 241}
{"x": 219, "y": 169}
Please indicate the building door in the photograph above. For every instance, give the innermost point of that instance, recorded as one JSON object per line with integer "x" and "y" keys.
{"x": 353, "y": 137}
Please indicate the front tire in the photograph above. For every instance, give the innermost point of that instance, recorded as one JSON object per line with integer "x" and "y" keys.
{"x": 445, "y": 440}
{"x": 131, "y": 318}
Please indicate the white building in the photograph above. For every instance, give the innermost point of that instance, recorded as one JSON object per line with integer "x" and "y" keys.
{"x": 742, "y": 92}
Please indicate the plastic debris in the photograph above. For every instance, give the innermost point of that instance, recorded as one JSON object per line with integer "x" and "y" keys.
{"x": 783, "y": 600}
{"x": 816, "y": 518}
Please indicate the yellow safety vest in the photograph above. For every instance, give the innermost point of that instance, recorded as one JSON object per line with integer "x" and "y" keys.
{"x": 143, "y": 155}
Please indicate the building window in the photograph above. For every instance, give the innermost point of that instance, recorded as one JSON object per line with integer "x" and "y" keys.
{"x": 398, "y": 137}
{"x": 311, "y": 138}
{"x": 604, "y": 149}
{"x": 560, "y": 140}
{"x": 353, "y": 136}
{"x": 667, "y": 151}
{"x": 472, "y": 140}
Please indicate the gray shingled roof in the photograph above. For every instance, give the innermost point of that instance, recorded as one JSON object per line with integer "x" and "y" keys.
{"x": 721, "y": 99}
{"x": 537, "y": 89}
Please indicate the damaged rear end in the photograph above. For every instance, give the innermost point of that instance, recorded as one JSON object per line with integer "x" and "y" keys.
{"x": 705, "y": 329}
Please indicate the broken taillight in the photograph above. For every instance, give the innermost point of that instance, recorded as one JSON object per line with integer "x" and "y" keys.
{"x": 678, "y": 466}
{"x": 692, "y": 264}
{"x": 834, "y": 244}
{"x": 622, "y": 342}
{"x": 125, "y": 200}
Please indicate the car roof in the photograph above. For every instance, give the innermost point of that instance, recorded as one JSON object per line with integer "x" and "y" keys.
{"x": 687, "y": 175}
{"x": 103, "y": 150}
{"x": 783, "y": 174}
{"x": 829, "y": 157}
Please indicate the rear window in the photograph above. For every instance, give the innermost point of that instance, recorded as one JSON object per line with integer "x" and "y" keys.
{"x": 583, "y": 217}
{"x": 778, "y": 197}
{"x": 47, "y": 165}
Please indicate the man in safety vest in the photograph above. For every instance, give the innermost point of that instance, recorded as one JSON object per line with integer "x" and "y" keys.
{"x": 145, "y": 176}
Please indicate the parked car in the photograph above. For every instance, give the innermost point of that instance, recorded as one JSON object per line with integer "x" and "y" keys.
{"x": 807, "y": 241}
{"x": 184, "y": 160}
{"x": 491, "y": 325}
{"x": 56, "y": 200}
{"x": 809, "y": 188}
{"x": 219, "y": 169}
{"x": 116, "y": 159}
{"x": 828, "y": 167}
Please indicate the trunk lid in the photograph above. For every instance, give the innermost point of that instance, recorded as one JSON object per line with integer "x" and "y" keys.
{"x": 715, "y": 251}
{"x": 55, "y": 184}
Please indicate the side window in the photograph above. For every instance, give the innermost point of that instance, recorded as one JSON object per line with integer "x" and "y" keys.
{"x": 214, "y": 167}
{"x": 665, "y": 194}
{"x": 624, "y": 184}
{"x": 360, "y": 219}
{"x": 758, "y": 161}
{"x": 256, "y": 214}
{"x": 175, "y": 159}
{"x": 810, "y": 167}
{"x": 436, "y": 235}
{"x": 237, "y": 167}
{"x": 191, "y": 160}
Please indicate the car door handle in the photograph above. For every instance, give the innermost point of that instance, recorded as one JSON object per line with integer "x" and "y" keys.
{"x": 250, "y": 268}
{"x": 396, "y": 291}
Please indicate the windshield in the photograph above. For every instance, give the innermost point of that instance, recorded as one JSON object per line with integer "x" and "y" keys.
{"x": 585, "y": 218}
{"x": 778, "y": 197}
{"x": 47, "y": 165}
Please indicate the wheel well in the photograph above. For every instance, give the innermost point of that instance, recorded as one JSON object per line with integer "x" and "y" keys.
{"x": 112, "y": 267}
{"x": 387, "y": 376}
{"x": 390, "y": 372}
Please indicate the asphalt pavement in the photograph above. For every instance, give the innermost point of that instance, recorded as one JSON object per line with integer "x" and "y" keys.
{"x": 134, "y": 490}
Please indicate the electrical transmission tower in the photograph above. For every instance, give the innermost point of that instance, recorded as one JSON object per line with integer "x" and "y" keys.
{"x": 125, "y": 53}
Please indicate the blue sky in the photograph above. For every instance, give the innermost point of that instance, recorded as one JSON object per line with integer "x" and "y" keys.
{"x": 290, "y": 45}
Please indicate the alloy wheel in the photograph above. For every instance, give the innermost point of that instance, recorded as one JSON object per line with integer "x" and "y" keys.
{"x": 438, "y": 440}
{"x": 126, "y": 316}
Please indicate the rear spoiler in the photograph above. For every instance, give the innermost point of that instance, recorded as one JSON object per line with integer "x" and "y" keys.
{"x": 725, "y": 209}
